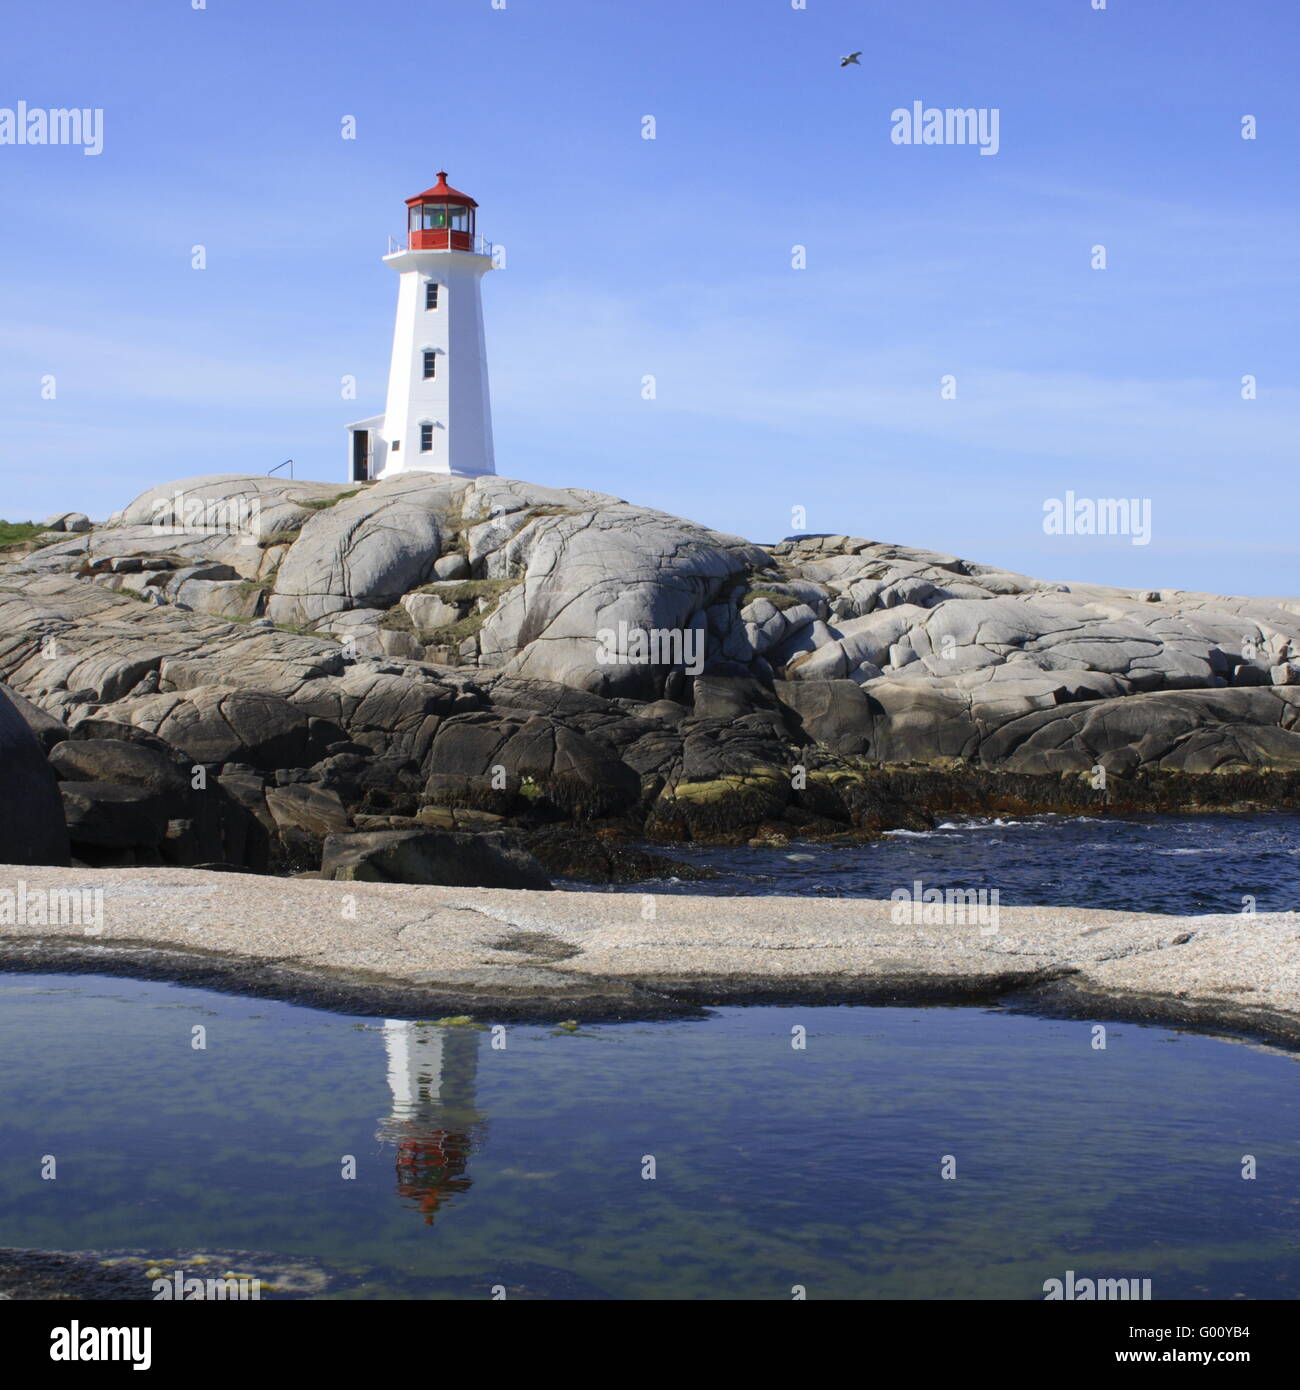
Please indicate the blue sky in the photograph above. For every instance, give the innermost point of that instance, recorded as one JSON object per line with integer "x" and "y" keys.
{"x": 776, "y": 388}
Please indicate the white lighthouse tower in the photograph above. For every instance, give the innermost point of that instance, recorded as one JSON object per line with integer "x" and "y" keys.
{"x": 437, "y": 418}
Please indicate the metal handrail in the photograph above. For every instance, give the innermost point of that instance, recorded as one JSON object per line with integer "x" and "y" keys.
{"x": 288, "y": 463}
{"x": 479, "y": 246}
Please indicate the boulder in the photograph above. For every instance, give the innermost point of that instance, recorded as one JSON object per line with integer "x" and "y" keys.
{"x": 44, "y": 726}
{"x": 669, "y": 711}
{"x": 223, "y": 598}
{"x": 453, "y": 566}
{"x": 431, "y": 611}
{"x": 729, "y": 697}
{"x": 455, "y": 858}
{"x": 568, "y": 853}
{"x": 304, "y": 817}
{"x": 835, "y": 713}
{"x": 252, "y": 830}
{"x": 68, "y": 521}
{"x": 105, "y": 815}
{"x": 125, "y": 763}
{"x": 32, "y": 828}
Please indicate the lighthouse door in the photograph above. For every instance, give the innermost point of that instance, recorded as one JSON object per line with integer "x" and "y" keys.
{"x": 360, "y": 456}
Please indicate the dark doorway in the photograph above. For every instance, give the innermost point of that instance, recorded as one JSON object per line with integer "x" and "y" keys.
{"x": 360, "y": 456}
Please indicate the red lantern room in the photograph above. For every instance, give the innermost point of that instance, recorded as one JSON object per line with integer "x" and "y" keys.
{"x": 440, "y": 219}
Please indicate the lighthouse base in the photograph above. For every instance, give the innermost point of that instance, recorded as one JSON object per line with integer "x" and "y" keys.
{"x": 398, "y": 470}
{"x": 371, "y": 458}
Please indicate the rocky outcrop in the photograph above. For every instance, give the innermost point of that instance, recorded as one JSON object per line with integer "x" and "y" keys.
{"x": 587, "y": 564}
{"x": 340, "y": 659}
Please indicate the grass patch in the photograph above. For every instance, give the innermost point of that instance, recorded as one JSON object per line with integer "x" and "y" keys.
{"x": 778, "y": 600}
{"x": 454, "y": 633}
{"x": 556, "y": 510}
{"x": 16, "y": 532}
{"x": 321, "y": 504}
{"x": 21, "y": 535}
{"x": 465, "y": 590}
{"x": 397, "y": 619}
{"x": 278, "y": 538}
{"x": 277, "y": 627}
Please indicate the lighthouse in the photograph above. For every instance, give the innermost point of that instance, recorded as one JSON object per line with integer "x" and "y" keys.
{"x": 437, "y": 417}
{"x": 434, "y": 1125}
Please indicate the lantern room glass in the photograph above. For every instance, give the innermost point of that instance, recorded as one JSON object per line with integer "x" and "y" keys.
{"x": 441, "y": 217}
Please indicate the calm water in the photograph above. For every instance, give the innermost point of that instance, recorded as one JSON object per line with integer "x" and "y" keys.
{"x": 523, "y": 1167}
{"x": 1180, "y": 864}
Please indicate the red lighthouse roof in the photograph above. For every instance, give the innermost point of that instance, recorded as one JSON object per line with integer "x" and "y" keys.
{"x": 442, "y": 193}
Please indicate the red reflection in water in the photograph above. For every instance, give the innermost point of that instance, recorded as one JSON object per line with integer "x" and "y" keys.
{"x": 432, "y": 1167}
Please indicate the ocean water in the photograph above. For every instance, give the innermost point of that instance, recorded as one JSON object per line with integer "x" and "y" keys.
{"x": 705, "y": 1159}
{"x": 1173, "y": 864}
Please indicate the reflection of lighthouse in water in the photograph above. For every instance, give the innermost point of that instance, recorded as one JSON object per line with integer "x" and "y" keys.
{"x": 433, "y": 1123}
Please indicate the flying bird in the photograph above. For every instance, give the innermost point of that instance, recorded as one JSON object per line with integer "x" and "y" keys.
{"x": 852, "y": 58}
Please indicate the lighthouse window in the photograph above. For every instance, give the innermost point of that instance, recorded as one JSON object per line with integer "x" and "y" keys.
{"x": 426, "y": 438}
{"x": 430, "y": 365}
{"x": 431, "y": 295}
{"x": 438, "y": 217}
